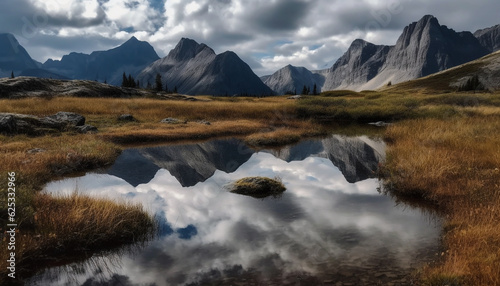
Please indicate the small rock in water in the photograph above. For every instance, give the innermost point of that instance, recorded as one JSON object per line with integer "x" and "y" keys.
{"x": 258, "y": 187}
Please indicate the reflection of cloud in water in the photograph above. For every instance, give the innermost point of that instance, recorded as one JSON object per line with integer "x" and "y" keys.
{"x": 321, "y": 222}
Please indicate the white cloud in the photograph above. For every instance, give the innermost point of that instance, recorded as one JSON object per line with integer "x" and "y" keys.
{"x": 137, "y": 14}
{"x": 267, "y": 34}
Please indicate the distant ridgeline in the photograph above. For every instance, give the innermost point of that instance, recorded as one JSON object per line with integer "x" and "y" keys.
{"x": 425, "y": 47}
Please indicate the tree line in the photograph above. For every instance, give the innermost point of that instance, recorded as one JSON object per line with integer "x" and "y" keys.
{"x": 306, "y": 90}
{"x": 130, "y": 82}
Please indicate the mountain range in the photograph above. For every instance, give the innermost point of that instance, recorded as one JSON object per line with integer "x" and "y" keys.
{"x": 131, "y": 57}
{"x": 425, "y": 47}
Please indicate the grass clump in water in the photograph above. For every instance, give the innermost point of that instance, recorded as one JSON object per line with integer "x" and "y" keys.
{"x": 258, "y": 187}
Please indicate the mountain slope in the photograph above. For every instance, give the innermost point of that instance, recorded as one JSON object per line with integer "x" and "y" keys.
{"x": 13, "y": 57}
{"x": 195, "y": 69}
{"x": 486, "y": 68}
{"x": 131, "y": 57}
{"x": 424, "y": 48}
{"x": 361, "y": 63}
{"x": 489, "y": 38}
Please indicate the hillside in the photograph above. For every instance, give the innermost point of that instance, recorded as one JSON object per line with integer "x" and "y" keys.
{"x": 486, "y": 68}
{"x": 20, "y": 87}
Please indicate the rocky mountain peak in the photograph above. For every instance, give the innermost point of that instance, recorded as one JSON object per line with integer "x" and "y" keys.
{"x": 195, "y": 69}
{"x": 187, "y": 49}
{"x": 489, "y": 38}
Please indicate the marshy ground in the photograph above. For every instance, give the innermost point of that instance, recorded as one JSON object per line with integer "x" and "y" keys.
{"x": 443, "y": 147}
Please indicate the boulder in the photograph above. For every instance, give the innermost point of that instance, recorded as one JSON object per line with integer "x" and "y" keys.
{"x": 13, "y": 124}
{"x": 126, "y": 117}
{"x": 69, "y": 118}
{"x": 7, "y": 124}
{"x": 258, "y": 187}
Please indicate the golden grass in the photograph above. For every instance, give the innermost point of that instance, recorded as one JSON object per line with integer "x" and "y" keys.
{"x": 77, "y": 223}
{"x": 153, "y": 110}
{"x": 456, "y": 164}
{"x": 68, "y": 226}
{"x": 448, "y": 153}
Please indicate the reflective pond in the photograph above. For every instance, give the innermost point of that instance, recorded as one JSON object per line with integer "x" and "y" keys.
{"x": 330, "y": 227}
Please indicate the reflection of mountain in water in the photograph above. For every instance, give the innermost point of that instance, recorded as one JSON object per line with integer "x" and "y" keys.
{"x": 356, "y": 157}
{"x": 189, "y": 164}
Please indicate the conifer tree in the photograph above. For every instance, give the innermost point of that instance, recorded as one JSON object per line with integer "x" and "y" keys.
{"x": 12, "y": 74}
{"x": 131, "y": 81}
{"x": 158, "y": 84}
{"x": 124, "y": 80}
{"x": 304, "y": 90}
{"x": 315, "y": 90}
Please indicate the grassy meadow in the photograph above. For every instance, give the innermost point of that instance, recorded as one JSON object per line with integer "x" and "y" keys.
{"x": 444, "y": 147}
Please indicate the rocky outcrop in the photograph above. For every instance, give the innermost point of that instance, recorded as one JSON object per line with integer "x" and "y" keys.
{"x": 14, "y": 124}
{"x": 126, "y": 117}
{"x": 20, "y": 87}
{"x": 131, "y": 57}
{"x": 195, "y": 69}
{"x": 489, "y": 38}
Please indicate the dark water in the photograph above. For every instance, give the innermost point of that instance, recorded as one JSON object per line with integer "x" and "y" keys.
{"x": 331, "y": 226}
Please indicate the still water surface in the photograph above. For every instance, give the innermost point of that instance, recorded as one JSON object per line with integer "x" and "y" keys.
{"x": 331, "y": 226}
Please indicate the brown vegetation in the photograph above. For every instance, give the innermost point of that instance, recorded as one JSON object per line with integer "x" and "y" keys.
{"x": 77, "y": 223}
{"x": 454, "y": 163}
{"x": 446, "y": 150}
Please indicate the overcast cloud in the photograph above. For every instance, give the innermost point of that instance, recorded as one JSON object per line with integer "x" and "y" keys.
{"x": 267, "y": 34}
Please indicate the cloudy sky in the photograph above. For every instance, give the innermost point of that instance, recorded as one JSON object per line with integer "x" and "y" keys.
{"x": 267, "y": 34}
